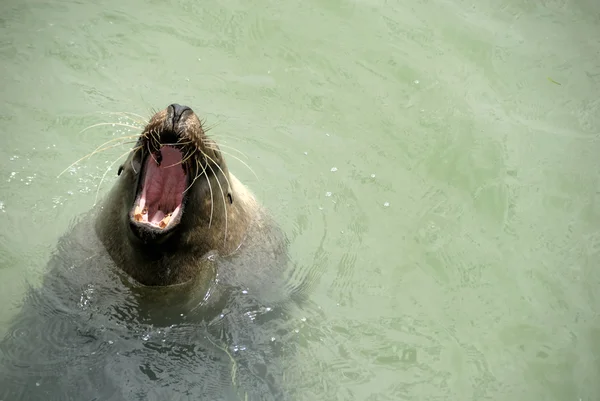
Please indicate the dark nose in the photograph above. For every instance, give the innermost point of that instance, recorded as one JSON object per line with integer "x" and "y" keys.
{"x": 177, "y": 111}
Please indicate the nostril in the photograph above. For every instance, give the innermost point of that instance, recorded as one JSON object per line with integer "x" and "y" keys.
{"x": 178, "y": 111}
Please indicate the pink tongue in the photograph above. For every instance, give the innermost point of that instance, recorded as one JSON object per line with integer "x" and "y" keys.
{"x": 163, "y": 185}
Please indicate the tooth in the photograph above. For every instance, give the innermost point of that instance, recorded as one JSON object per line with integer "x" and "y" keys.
{"x": 137, "y": 213}
{"x": 165, "y": 221}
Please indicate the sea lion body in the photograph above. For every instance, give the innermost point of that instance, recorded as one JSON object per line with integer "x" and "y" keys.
{"x": 136, "y": 308}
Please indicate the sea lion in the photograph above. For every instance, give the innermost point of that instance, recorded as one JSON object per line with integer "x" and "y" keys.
{"x": 175, "y": 201}
{"x": 172, "y": 288}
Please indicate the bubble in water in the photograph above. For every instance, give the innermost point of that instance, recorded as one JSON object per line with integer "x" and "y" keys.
{"x": 386, "y": 204}
{"x": 57, "y": 200}
{"x": 111, "y": 342}
{"x": 251, "y": 315}
{"x": 2, "y": 207}
{"x": 327, "y": 193}
{"x": 334, "y": 169}
{"x": 86, "y": 297}
{"x": 306, "y": 153}
{"x": 244, "y": 291}
{"x": 303, "y": 319}
{"x": 372, "y": 175}
{"x": 272, "y": 339}
{"x": 416, "y": 81}
{"x": 146, "y": 337}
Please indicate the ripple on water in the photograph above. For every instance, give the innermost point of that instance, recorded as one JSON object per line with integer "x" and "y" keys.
{"x": 54, "y": 352}
{"x": 395, "y": 357}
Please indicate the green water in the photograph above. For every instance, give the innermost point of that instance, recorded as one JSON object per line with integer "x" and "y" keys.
{"x": 434, "y": 164}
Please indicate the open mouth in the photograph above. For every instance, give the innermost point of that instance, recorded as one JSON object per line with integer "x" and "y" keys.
{"x": 159, "y": 203}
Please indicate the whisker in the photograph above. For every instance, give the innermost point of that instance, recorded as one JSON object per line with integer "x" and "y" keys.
{"x": 98, "y": 150}
{"x": 174, "y": 164}
{"x": 212, "y": 201}
{"x": 108, "y": 169}
{"x": 232, "y": 148}
{"x": 176, "y": 143}
{"x": 150, "y": 152}
{"x": 153, "y": 111}
{"x": 238, "y": 159}
{"x": 112, "y": 124}
{"x": 187, "y": 157}
{"x": 219, "y": 167}
{"x": 183, "y": 160}
{"x": 206, "y": 129}
{"x": 222, "y": 136}
{"x": 153, "y": 138}
{"x": 209, "y": 186}
{"x": 195, "y": 178}
{"x": 128, "y": 115}
{"x": 222, "y": 193}
{"x": 131, "y": 161}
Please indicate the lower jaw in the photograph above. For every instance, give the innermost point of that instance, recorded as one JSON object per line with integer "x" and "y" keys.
{"x": 148, "y": 235}
{"x": 140, "y": 216}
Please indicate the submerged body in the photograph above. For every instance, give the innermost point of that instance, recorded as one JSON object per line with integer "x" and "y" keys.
{"x": 172, "y": 288}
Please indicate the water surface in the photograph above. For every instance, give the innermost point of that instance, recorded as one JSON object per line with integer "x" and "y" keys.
{"x": 434, "y": 164}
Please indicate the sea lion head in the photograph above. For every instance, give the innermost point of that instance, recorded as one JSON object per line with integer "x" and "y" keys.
{"x": 177, "y": 180}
